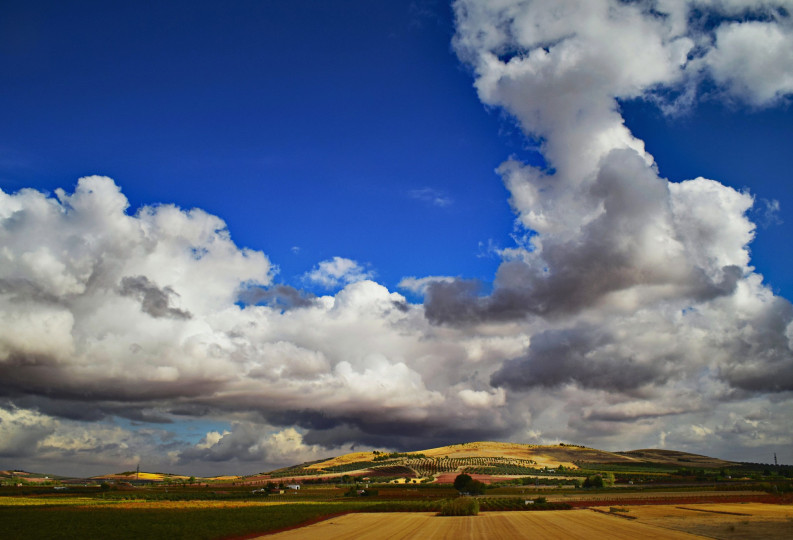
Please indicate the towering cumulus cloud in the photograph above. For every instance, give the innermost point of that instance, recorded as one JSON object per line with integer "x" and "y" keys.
{"x": 630, "y": 317}
{"x": 638, "y": 287}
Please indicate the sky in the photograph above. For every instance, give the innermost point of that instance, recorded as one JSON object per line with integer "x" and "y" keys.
{"x": 238, "y": 236}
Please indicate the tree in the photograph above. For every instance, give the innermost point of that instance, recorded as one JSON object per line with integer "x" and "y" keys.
{"x": 465, "y": 484}
{"x": 595, "y": 481}
{"x": 462, "y": 481}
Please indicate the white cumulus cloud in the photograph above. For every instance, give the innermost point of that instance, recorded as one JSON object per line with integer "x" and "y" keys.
{"x": 336, "y": 272}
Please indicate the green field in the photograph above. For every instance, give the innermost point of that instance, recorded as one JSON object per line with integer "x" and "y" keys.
{"x": 112, "y": 522}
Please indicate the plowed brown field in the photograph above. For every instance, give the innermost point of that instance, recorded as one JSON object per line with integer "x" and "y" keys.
{"x": 575, "y": 524}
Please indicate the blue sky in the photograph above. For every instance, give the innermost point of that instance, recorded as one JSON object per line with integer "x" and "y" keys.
{"x": 298, "y": 122}
{"x": 367, "y": 135}
{"x": 742, "y": 147}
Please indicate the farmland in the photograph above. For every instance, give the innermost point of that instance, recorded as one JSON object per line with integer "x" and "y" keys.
{"x": 205, "y": 513}
{"x": 528, "y": 488}
{"x": 764, "y": 521}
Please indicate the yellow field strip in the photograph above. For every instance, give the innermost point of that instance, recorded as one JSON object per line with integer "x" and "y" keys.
{"x": 60, "y": 501}
{"x": 140, "y": 503}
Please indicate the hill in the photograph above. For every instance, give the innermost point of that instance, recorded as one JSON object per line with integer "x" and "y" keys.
{"x": 484, "y": 458}
{"x": 25, "y": 477}
{"x": 494, "y": 459}
{"x": 550, "y": 456}
{"x": 676, "y": 459}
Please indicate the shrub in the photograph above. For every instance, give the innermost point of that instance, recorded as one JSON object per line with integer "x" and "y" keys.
{"x": 464, "y": 506}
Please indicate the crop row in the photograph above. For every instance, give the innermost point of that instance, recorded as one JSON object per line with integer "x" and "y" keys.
{"x": 629, "y": 467}
{"x": 346, "y": 467}
{"x": 511, "y": 470}
{"x": 425, "y": 466}
{"x": 512, "y": 503}
{"x": 395, "y": 471}
{"x": 293, "y": 472}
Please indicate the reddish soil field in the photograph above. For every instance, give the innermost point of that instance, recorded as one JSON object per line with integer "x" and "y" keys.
{"x": 448, "y": 478}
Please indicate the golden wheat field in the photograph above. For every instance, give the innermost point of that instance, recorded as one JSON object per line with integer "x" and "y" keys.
{"x": 575, "y": 524}
{"x": 727, "y": 521}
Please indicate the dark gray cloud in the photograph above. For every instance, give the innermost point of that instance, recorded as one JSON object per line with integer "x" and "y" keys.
{"x": 406, "y": 435}
{"x": 37, "y": 375}
{"x": 278, "y": 296}
{"x": 239, "y": 445}
{"x": 26, "y": 290}
{"x": 153, "y": 300}
{"x": 582, "y": 355}
{"x": 759, "y": 355}
{"x": 619, "y": 355}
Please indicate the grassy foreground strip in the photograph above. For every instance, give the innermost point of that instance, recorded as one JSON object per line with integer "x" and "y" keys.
{"x": 69, "y": 522}
{"x": 196, "y": 520}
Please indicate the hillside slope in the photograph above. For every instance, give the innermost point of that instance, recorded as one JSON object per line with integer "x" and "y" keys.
{"x": 550, "y": 456}
{"x": 491, "y": 458}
